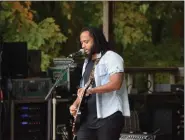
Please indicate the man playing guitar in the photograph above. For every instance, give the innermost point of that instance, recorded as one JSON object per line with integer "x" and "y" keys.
{"x": 106, "y": 101}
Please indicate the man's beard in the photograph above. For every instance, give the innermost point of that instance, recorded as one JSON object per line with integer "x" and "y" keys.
{"x": 92, "y": 51}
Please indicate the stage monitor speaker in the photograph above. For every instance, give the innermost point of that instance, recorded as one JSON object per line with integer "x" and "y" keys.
{"x": 14, "y": 60}
{"x": 136, "y": 136}
{"x": 34, "y": 62}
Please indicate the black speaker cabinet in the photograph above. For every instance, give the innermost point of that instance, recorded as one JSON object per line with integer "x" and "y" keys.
{"x": 163, "y": 114}
{"x": 14, "y": 60}
{"x": 34, "y": 62}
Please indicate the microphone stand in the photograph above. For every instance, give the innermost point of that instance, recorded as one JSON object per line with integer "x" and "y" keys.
{"x": 62, "y": 73}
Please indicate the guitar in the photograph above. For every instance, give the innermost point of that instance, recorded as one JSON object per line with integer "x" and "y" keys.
{"x": 80, "y": 113}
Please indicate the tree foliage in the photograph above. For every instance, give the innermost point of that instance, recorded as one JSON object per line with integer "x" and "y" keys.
{"x": 17, "y": 25}
{"x": 147, "y": 33}
{"x": 72, "y": 16}
{"x": 131, "y": 24}
{"x": 150, "y": 33}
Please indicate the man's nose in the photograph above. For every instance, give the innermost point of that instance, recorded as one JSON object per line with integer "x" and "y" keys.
{"x": 83, "y": 45}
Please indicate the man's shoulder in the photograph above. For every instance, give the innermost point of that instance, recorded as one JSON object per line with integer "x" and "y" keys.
{"x": 111, "y": 54}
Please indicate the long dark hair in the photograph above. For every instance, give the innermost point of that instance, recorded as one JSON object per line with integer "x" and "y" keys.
{"x": 100, "y": 43}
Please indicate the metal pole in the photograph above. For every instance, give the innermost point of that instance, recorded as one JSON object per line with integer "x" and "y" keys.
{"x": 106, "y": 19}
{"x": 49, "y": 119}
{"x": 54, "y": 117}
{"x": 108, "y": 12}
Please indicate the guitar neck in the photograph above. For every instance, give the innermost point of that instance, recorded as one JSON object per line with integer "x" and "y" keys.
{"x": 83, "y": 94}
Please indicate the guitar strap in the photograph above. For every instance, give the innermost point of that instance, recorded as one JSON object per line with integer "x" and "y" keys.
{"x": 91, "y": 77}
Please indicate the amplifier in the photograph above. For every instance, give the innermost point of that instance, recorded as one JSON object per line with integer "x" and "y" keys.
{"x": 30, "y": 120}
{"x": 138, "y": 136}
{"x": 31, "y": 88}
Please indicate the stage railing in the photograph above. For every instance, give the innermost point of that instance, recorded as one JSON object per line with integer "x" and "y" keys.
{"x": 174, "y": 73}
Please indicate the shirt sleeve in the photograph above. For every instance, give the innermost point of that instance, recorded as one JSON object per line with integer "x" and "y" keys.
{"x": 114, "y": 63}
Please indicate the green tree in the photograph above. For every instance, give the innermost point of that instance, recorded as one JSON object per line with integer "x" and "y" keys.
{"x": 143, "y": 29}
{"x": 72, "y": 16}
{"x": 150, "y": 33}
{"x": 131, "y": 24}
{"x": 17, "y": 25}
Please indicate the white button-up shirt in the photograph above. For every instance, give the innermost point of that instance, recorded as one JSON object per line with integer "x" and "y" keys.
{"x": 109, "y": 103}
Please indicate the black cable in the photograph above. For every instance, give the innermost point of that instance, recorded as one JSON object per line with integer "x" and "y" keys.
{"x": 148, "y": 87}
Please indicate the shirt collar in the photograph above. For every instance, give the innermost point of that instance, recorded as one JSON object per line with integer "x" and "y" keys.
{"x": 99, "y": 55}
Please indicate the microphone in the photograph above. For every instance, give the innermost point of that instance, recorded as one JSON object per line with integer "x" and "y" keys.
{"x": 78, "y": 53}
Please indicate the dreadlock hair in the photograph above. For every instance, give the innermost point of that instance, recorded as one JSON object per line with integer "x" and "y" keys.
{"x": 100, "y": 44}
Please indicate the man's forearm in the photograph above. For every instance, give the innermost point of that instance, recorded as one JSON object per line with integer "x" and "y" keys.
{"x": 103, "y": 89}
{"x": 76, "y": 102}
